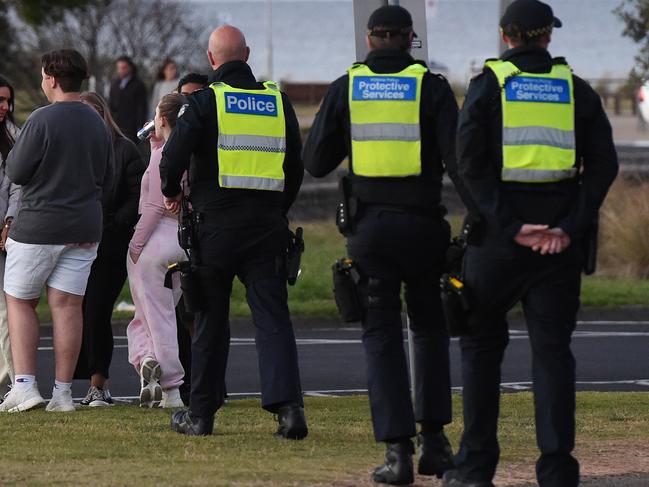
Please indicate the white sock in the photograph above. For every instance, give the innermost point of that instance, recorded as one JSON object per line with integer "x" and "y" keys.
{"x": 24, "y": 382}
{"x": 61, "y": 387}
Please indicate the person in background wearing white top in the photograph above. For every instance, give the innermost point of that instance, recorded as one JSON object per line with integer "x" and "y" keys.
{"x": 166, "y": 82}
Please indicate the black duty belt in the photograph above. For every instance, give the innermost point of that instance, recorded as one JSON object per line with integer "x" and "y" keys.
{"x": 436, "y": 212}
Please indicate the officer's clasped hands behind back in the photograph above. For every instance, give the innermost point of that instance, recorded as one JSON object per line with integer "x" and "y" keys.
{"x": 536, "y": 153}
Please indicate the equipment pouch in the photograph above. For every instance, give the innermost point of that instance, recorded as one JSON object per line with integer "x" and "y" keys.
{"x": 346, "y": 279}
{"x": 294, "y": 255}
{"x": 455, "y": 305}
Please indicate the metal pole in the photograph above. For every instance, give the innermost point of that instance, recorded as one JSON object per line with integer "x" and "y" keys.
{"x": 269, "y": 39}
{"x": 411, "y": 357}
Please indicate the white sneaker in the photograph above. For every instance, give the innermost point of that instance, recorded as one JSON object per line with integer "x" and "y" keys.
{"x": 171, "y": 399}
{"x": 16, "y": 401}
{"x": 150, "y": 389}
{"x": 61, "y": 403}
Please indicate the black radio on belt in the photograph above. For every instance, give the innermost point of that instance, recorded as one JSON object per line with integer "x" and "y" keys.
{"x": 347, "y": 206}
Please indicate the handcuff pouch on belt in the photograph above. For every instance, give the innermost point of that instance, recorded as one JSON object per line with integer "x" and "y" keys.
{"x": 455, "y": 301}
{"x": 346, "y": 278}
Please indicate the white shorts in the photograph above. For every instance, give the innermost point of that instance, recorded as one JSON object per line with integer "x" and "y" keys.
{"x": 30, "y": 267}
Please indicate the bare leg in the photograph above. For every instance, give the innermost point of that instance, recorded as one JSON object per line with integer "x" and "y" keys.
{"x": 98, "y": 380}
{"x": 67, "y": 323}
{"x": 24, "y": 333}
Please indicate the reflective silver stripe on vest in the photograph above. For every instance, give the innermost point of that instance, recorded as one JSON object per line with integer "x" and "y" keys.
{"x": 257, "y": 143}
{"x": 252, "y": 182}
{"x": 408, "y": 132}
{"x": 536, "y": 175}
{"x": 562, "y": 139}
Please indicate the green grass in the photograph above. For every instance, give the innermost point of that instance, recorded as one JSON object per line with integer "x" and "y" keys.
{"x": 126, "y": 445}
{"x": 614, "y": 291}
{"x": 312, "y": 296}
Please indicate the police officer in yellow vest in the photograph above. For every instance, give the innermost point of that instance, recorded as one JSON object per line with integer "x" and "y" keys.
{"x": 395, "y": 121}
{"x": 242, "y": 139}
{"x": 536, "y": 153}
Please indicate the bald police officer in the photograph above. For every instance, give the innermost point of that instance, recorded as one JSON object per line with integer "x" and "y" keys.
{"x": 395, "y": 121}
{"x": 535, "y": 151}
{"x": 243, "y": 141}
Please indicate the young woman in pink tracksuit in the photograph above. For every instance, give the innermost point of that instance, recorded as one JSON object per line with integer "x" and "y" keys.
{"x": 152, "y": 339}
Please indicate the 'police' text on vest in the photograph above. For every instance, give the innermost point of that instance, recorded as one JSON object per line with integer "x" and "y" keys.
{"x": 250, "y": 104}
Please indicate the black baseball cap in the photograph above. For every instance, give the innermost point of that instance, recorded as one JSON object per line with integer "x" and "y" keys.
{"x": 530, "y": 16}
{"x": 390, "y": 19}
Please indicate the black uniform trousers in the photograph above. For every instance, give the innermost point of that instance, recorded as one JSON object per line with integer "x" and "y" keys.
{"x": 250, "y": 253}
{"x": 105, "y": 282}
{"x": 497, "y": 277}
{"x": 390, "y": 246}
{"x": 184, "y": 320}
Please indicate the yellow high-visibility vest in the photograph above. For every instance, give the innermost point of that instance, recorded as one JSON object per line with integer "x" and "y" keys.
{"x": 252, "y": 137}
{"x": 538, "y": 123}
{"x": 384, "y": 115}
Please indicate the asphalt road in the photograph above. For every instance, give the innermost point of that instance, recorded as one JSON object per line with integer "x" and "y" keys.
{"x": 610, "y": 346}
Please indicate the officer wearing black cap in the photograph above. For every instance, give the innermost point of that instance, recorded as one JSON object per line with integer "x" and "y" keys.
{"x": 395, "y": 121}
{"x": 536, "y": 153}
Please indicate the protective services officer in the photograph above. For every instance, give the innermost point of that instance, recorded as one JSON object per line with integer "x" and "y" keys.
{"x": 243, "y": 141}
{"x": 396, "y": 122}
{"x": 535, "y": 151}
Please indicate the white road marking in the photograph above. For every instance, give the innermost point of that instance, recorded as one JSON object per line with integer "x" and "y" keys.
{"x": 597, "y": 322}
{"x": 514, "y": 386}
{"x": 514, "y": 335}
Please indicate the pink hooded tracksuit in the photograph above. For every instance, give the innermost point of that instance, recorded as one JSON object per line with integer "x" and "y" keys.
{"x": 152, "y": 333}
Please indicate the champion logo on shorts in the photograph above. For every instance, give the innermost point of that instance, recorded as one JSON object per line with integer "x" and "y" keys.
{"x": 21, "y": 380}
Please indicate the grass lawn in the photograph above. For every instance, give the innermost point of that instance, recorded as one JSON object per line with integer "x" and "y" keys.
{"x": 312, "y": 295}
{"x": 125, "y": 445}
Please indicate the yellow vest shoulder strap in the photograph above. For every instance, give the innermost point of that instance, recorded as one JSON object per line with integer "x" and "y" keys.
{"x": 503, "y": 70}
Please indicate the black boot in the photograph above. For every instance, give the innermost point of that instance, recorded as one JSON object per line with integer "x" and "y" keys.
{"x": 397, "y": 469}
{"x": 452, "y": 478}
{"x": 291, "y": 422}
{"x": 183, "y": 422}
{"x": 436, "y": 456}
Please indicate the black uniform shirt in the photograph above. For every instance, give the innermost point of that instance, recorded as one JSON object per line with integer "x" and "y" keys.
{"x": 571, "y": 205}
{"x": 195, "y": 137}
{"x": 329, "y": 140}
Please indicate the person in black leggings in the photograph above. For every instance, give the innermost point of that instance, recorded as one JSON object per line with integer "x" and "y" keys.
{"x": 108, "y": 273}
